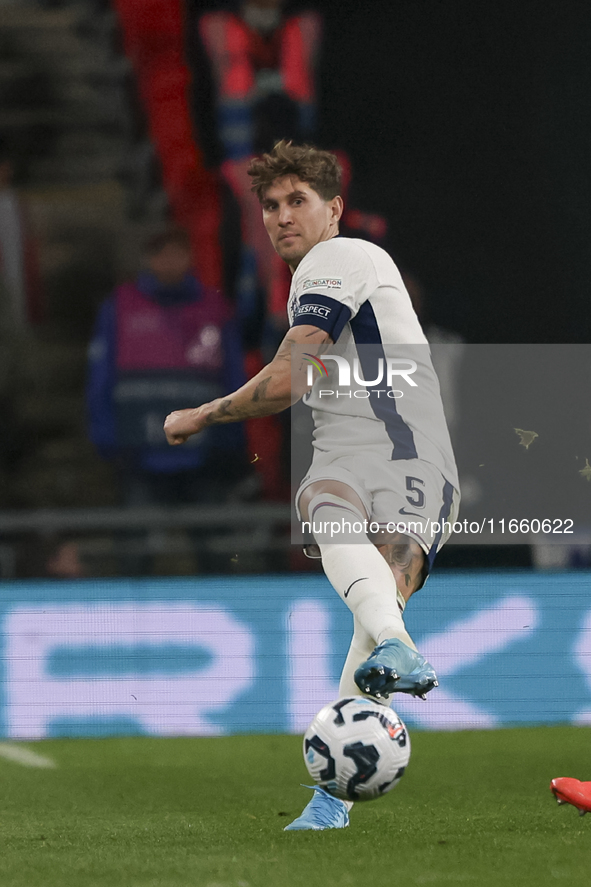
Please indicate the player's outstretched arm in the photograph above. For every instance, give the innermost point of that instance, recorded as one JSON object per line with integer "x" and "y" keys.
{"x": 276, "y": 387}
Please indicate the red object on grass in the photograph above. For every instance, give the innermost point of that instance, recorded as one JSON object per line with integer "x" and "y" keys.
{"x": 572, "y": 791}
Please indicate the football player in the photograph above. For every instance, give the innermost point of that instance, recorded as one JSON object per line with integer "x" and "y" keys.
{"x": 380, "y": 458}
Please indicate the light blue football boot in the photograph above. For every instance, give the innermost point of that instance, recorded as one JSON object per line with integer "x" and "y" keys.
{"x": 393, "y": 667}
{"x": 323, "y": 811}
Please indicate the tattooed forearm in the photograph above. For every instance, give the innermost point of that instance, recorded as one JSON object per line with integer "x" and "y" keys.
{"x": 261, "y": 390}
{"x": 284, "y": 350}
{"x": 276, "y": 387}
{"x": 224, "y": 409}
{"x": 247, "y": 403}
{"x": 227, "y": 409}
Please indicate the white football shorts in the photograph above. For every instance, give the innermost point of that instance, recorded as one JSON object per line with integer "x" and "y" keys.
{"x": 406, "y": 496}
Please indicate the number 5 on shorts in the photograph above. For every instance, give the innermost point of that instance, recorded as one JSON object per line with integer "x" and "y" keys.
{"x": 418, "y": 500}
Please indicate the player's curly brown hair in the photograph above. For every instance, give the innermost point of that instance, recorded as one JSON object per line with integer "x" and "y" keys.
{"x": 320, "y": 169}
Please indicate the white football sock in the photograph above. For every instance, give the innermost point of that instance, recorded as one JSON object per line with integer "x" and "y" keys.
{"x": 362, "y": 646}
{"x": 356, "y": 569}
{"x": 335, "y": 520}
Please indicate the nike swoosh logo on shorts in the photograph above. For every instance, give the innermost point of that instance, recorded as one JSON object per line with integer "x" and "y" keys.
{"x": 412, "y": 513}
{"x": 353, "y": 583}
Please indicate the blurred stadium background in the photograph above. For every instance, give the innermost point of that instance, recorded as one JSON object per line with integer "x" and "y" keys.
{"x": 464, "y": 129}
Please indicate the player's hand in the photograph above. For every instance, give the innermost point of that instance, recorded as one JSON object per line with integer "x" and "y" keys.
{"x": 180, "y": 425}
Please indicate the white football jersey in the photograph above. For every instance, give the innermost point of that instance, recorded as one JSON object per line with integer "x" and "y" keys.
{"x": 353, "y": 290}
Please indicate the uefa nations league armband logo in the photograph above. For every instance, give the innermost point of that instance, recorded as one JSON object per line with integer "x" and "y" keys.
{"x": 387, "y": 370}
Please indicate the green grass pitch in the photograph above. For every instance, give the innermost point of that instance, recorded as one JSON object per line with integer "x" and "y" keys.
{"x": 472, "y": 808}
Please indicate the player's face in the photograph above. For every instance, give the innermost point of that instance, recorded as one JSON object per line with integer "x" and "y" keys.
{"x": 297, "y": 218}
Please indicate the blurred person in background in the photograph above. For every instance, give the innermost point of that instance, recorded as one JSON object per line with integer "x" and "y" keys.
{"x": 159, "y": 339}
{"x": 262, "y": 62}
